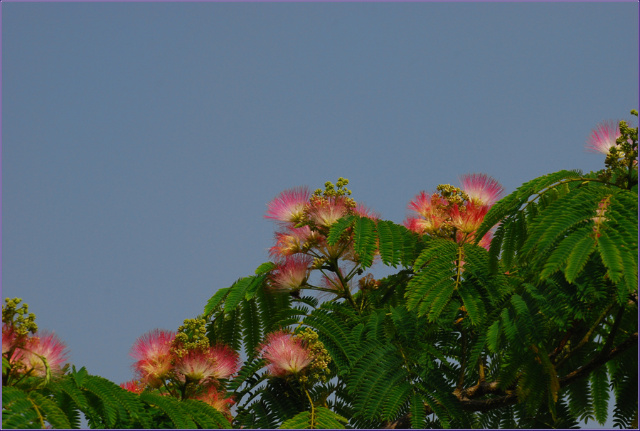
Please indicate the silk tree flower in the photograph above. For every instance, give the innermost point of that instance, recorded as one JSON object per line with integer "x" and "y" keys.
{"x": 426, "y": 205}
{"x": 325, "y": 212}
{"x": 481, "y": 188}
{"x": 225, "y": 359}
{"x": 292, "y": 241}
{"x": 289, "y": 206}
{"x": 292, "y": 273}
{"x": 603, "y": 137}
{"x": 424, "y": 225}
{"x": 10, "y": 339}
{"x": 216, "y": 399}
{"x": 152, "y": 352}
{"x": 364, "y": 211}
{"x": 285, "y": 355}
{"x": 196, "y": 366}
{"x": 485, "y": 242}
{"x": 135, "y": 386}
{"x": 332, "y": 281}
{"x": 469, "y": 218}
{"x": 429, "y": 208}
{"x": 45, "y": 346}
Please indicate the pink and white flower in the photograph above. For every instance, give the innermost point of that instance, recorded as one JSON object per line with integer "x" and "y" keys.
{"x": 10, "y": 339}
{"x": 292, "y": 273}
{"x": 225, "y": 360}
{"x": 292, "y": 241}
{"x": 135, "y": 386}
{"x": 289, "y": 206}
{"x": 196, "y": 366}
{"x": 364, "y": 211}
{"x": 603, "y": 137}
{"x": 216, "y": 399}
{"x": 45, "y": 346}
{"x": 326, "y": 212}
{"x": 285, "y": 354}
{"x": 469, "y": 218}
{"x": 481, "y": 188}
{"x": 153, "y": 354}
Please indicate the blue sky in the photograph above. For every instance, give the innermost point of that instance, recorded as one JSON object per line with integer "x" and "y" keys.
{"x": 141, "y": 142}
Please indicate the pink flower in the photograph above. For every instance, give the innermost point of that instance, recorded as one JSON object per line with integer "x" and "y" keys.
{"x": 225, "y": 360}
{"x": 285, "y": 354}
{"x": 424, "y": 225}
{"x": 603, "y": 137}
{"x": 430, "y": 210}
{"x": 196, "y": 366}
{"x": 481, "y": 188}
{"x": 135, "y": 386}
{"x": 45, "y": 346}
{"x": 422, "y": 205}
{"x": 10, "y": 340}
{"x": 289, "y": 206}
{"x": 470, "y": 218}
{"x": 363, "y": 211}
{"x": 327, "y": 212}
{"x": 292, "y": 273}
{"x": 153, "y": 354}
{"x": 332, "y": 281}
{"x": 486, "y": 240}
{"x": 216, "y": 400}
{"x": 292, "y": 241}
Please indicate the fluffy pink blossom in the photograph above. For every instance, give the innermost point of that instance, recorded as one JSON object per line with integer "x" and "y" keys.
{"x": 196, "y": 366}
{"x": 424, "y": 204}
{"x": 364, "y": 211}
{"x": 469, "y": 218}
{"x": 9, "y": 339}
{"x": 486, "y": 240}
{"x": 153, "y": 354}
{"x": 430, "y": 212}
{"x": 481, "y": 188}
{"x": 225, "y": 359}
{"x": 289, "y": 206}
{"x": 285, "y": 354}
{"x": 327, "y": 212}
{"x": 292, "y": 273}
{"x": 45, "y": 346}
{"x": 135, "y": 386}
{"x": 292, "y": 241}
{"x": 216, "y": 399}
{"x": 603, "y": 137}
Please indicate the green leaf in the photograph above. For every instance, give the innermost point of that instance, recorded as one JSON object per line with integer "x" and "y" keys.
{"x": 237, "y": 294}
{"x": 579, "y": 257}
{"x": 338, "y": 228}
{"x": 215, "y": 300}
{"x": 365, "y": 240}
{"x": 611, "y": 257}
{"x": 265, "y": 268}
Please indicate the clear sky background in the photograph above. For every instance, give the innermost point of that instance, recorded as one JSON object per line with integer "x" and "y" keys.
{"x": 141, "y": 142}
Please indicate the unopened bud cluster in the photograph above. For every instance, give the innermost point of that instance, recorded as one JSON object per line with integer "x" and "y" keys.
{"x": 319, "y": 367}
{"x": 28, "y": 352}
{"x": 192, "y": 335}
{"x": 22, "y": 321}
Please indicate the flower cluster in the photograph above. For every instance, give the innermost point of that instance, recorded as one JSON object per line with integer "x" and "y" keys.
{"x": 455, "y": 212}
{"x": 183, "y": 365}
{"x": 30, "y": 353}
{"x": 619, "y": 143}
{"x": 300, "y": 355}
{"x": 304, "y": 220}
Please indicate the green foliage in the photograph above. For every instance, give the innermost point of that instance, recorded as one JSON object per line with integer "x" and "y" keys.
{"x": 538, "y": 331}
{"x": 104, "y": 404}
